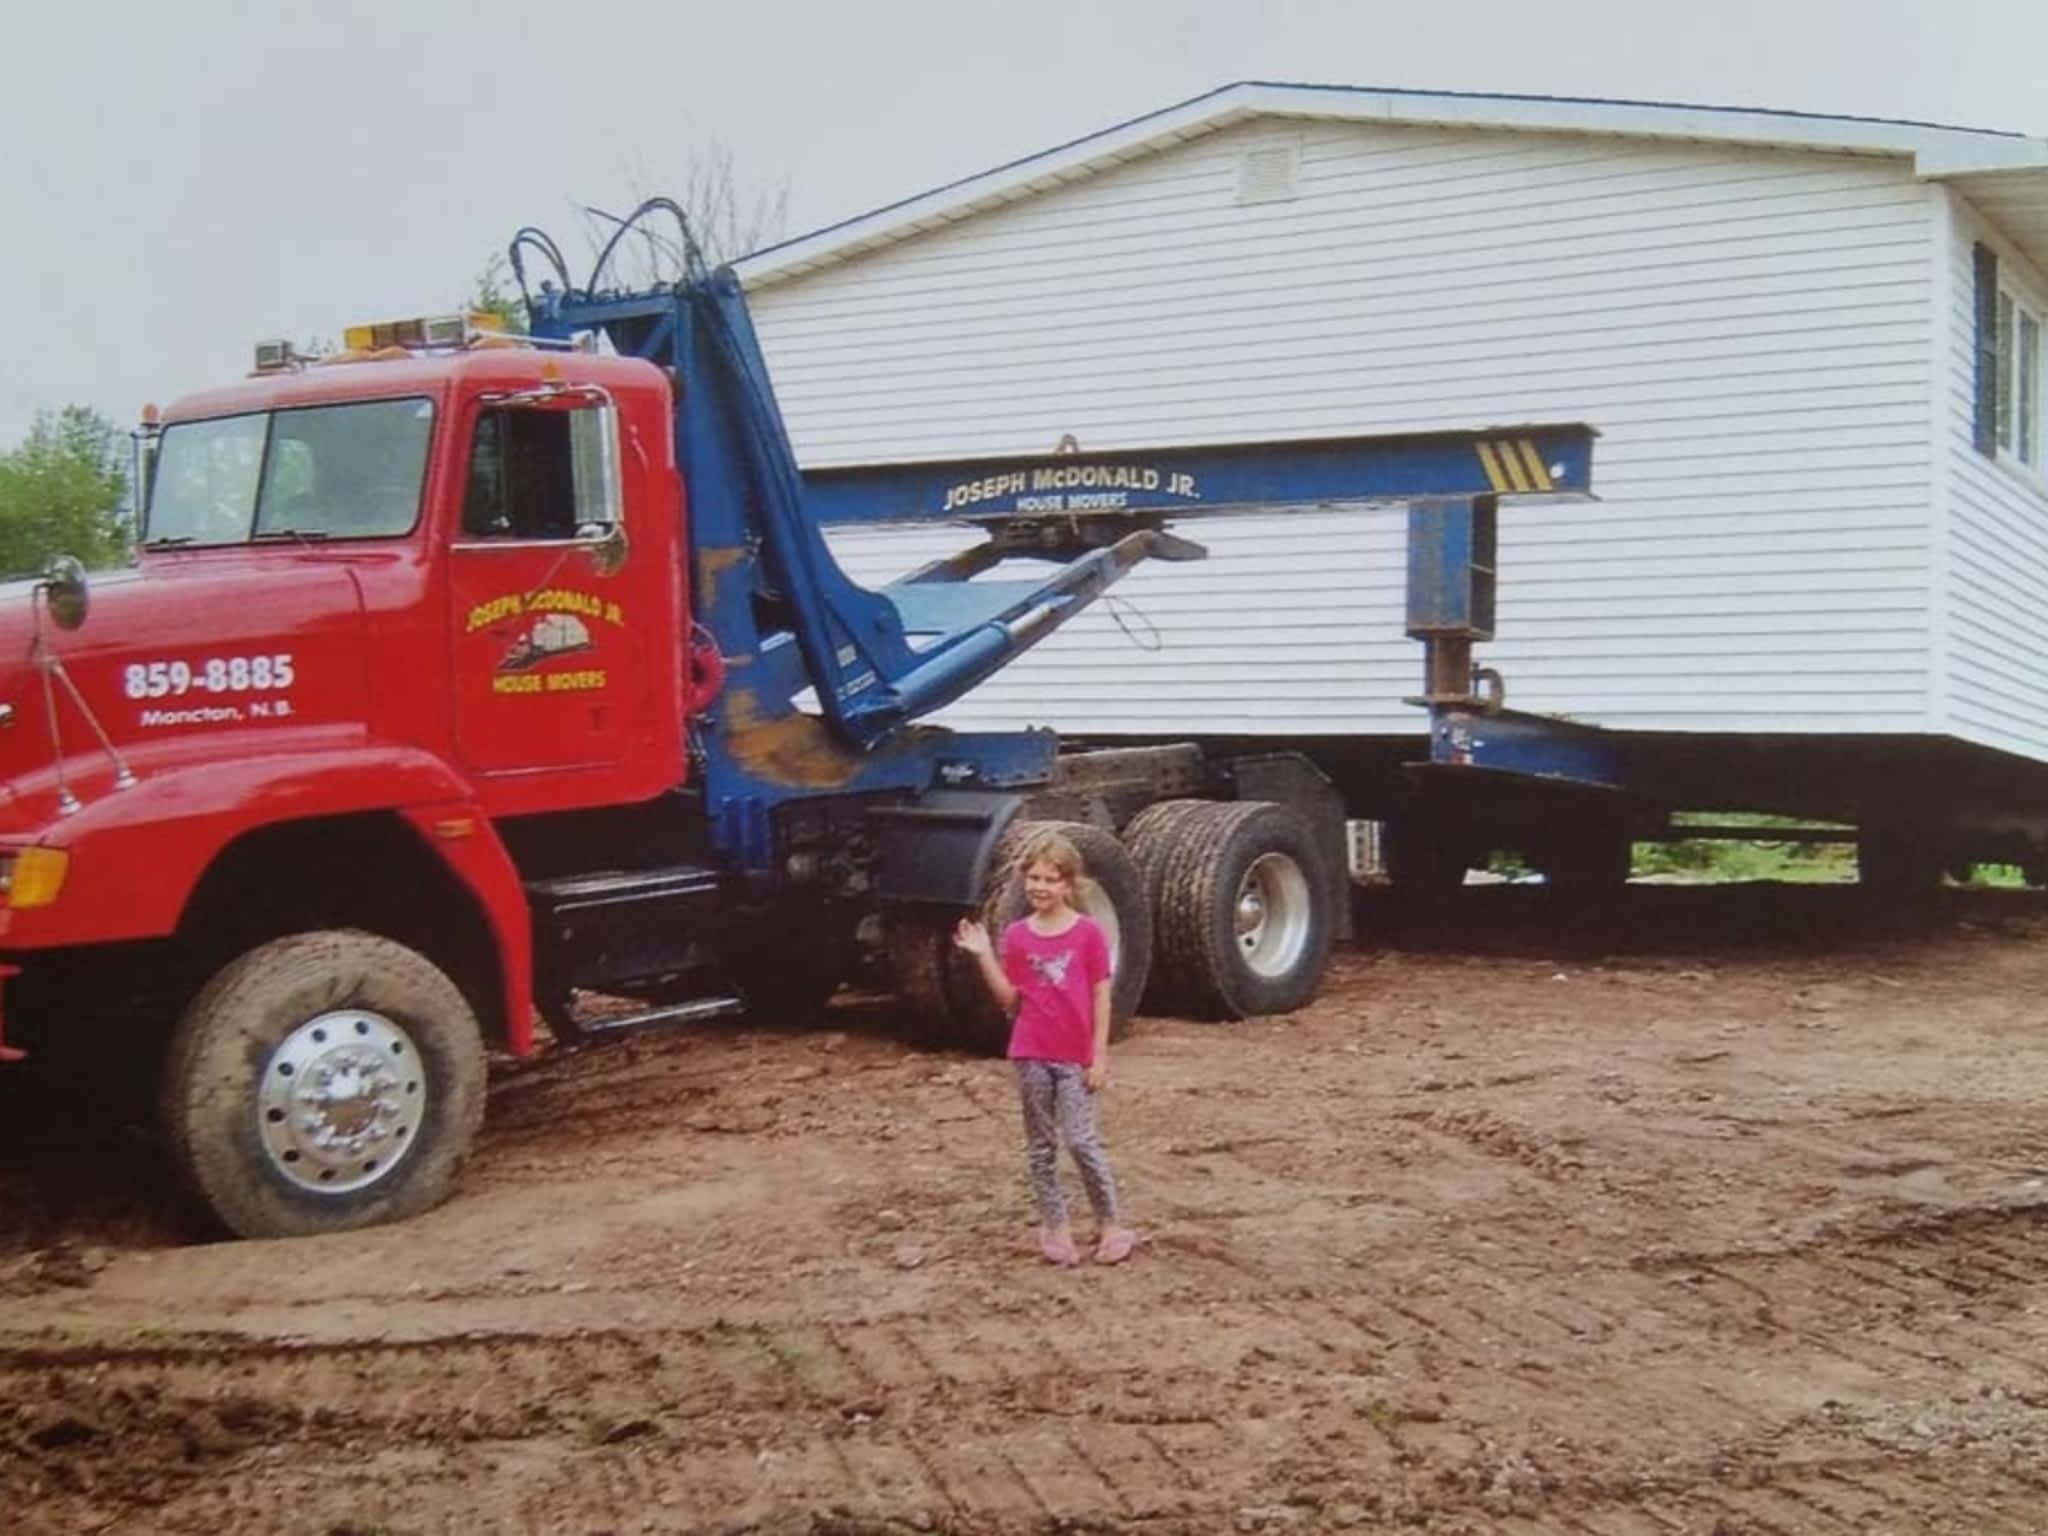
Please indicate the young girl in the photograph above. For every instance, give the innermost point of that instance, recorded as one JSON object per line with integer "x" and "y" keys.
{"x": 1054, "y": 974}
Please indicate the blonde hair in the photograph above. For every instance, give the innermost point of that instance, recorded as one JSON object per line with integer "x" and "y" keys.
{"x": 1058, "y": 850}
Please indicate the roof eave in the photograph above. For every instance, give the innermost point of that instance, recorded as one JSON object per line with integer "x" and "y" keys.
{"x": 989, "y": 189}
{"x": 1935, "y": 151}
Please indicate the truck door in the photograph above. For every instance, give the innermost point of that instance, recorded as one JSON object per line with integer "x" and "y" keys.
{"x": 549, "y": 662}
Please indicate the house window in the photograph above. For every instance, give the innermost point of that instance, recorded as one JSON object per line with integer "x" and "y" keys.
{"x": 2027, "y": 390}
{"x": 2009, "y": 338}
{"x": 2016, "y": 349}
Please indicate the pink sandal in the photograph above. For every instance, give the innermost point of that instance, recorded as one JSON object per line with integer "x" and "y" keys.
{"x": 1116, "y": 1245}
{"x": 1058, "y": 1248}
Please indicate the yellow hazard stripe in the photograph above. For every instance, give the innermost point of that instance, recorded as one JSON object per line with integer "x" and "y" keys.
{"x": 1513, "y": 464}
{"x": 1491, "y": 465}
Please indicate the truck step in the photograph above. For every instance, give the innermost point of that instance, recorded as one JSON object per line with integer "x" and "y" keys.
{"x": 695, "y": 1011}
{"x": 624, "y": 888}
{"x": 598, "y": 931}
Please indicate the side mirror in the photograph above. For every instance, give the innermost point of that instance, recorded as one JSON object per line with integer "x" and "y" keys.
{"x": 145, "y": 441}
{"x": 65, "y": 591}
{"x": 605, "y": 545}
{"x": 600, "y": 495}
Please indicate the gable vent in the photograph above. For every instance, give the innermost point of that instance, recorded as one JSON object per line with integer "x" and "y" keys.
{"x": 1270, "y": 173}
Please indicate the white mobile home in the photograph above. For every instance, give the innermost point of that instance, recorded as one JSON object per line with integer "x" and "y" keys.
{"x": 1812, "y": 346}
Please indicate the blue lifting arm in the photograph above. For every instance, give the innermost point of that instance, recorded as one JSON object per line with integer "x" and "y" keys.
{"x": 767, "y": 584}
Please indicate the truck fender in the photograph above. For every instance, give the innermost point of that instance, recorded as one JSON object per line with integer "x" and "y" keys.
{"x": 938, "y": 847}
{"x": 139, "y": 853}
{"x": 462, "y": 836}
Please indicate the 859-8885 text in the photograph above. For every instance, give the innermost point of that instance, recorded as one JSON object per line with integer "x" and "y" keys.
{"x": 214, "y": 674}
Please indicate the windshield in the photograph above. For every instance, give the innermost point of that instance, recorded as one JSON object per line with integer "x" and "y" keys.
{"x": 325, "y": 472}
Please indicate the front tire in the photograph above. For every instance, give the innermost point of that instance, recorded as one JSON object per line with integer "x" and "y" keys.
{"x": 322, "y": 1082}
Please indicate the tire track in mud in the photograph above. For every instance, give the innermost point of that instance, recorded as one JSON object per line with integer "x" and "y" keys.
{"x": 1397, "y": 1406}
{"x": 635, "y": 1094}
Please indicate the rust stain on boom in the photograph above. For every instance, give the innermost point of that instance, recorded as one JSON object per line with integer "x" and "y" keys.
{"x": 796, "y": 750}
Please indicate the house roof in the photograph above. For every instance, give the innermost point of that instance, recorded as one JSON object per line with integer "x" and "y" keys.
{"x": 2004, "y": 174}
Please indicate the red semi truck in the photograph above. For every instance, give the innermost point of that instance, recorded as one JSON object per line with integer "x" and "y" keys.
{"x": 435, "y": 699}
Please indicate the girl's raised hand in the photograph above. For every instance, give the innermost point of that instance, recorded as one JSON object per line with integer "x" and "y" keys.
{"x": 973, "y": 938}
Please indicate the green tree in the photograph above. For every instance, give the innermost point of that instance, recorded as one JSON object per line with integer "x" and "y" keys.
{"x": 65, "y": 491}
{"x": 491, "y": 297}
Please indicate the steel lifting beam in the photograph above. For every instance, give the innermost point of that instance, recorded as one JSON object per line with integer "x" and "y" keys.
{"x": 1207, "y": 482}
{"x": 1062, "y": 505}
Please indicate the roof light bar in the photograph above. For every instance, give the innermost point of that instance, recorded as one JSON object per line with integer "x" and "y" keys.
{"x": 422, "y": 331}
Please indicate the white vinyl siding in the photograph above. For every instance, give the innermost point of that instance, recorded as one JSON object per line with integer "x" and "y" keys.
{"x": 1747, "y": 328}
{"x": 1998, "y": 538}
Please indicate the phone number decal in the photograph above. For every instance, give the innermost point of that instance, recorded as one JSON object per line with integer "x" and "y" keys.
{"x": 215, "y": 674}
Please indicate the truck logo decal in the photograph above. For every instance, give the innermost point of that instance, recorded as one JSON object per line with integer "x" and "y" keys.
{"x": 557, "y": 634}
{"x": 560, "y": 628}
{"x": 549, "y": 638}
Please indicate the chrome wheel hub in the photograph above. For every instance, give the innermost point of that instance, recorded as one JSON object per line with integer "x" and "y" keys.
{"x": 341, "y": 1101}
{"x": 1272, "y": 915}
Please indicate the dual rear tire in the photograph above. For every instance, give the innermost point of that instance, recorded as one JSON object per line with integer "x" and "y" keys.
{"x": 1240, "y": 902}
{"x": 941, "y": 985}
{"x": 1213, "y": 910}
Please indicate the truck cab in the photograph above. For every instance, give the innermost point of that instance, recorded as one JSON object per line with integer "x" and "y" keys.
{"x": 455, "y": 575}
{"x": 382, "y": 605}
{"x": 496, "y": 539}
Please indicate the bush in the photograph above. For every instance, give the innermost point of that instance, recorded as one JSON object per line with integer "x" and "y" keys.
{"x": 64, "y": 491}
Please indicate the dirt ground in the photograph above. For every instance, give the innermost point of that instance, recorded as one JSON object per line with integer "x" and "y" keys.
{"x": 1725, "y": 1212}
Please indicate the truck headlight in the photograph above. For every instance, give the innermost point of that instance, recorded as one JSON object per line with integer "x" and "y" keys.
{"x": 32, "y": 877}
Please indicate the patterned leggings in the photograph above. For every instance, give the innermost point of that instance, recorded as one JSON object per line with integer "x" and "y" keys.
{"x": 1058, "y": 1107}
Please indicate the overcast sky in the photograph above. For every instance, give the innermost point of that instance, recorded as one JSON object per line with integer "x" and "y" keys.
{"x": 177, "y": 180}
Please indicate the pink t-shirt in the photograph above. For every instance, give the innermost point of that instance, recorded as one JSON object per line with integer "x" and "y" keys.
{"x": 1055, "y": 979}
